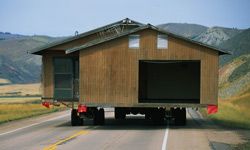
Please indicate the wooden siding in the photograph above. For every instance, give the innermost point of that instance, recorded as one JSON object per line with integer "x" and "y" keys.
{"x": 109, "y": 71}
{"x": 47, "y": 76}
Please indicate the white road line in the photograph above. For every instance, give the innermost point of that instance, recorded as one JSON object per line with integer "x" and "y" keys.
{"x": 165, "y": 140}
{"x": 33, "y": 125}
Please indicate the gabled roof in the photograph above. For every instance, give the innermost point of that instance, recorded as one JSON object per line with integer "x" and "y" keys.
{"x": 126, "y": 21}
{"x": 53, "y": 44}
{"x": 148, "y": 26}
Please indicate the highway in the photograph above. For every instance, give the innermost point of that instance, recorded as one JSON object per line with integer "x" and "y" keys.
{"x": 53, "y": 131}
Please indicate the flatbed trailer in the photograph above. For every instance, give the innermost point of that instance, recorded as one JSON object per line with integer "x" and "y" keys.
{"x": 132, "y": 67}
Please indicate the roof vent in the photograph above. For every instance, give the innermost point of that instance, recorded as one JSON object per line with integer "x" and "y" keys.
{"x": 76, "y": 33}
{"x": 127, "y": 20}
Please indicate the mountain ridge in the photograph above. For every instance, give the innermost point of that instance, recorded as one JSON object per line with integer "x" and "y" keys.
{"x": 15, "y": 64}
{"x": 184, "y": 29}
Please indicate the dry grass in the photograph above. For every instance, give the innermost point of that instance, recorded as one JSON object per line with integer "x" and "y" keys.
{"x": 9, "y": 112}
{"x": 233, "y": 112}
{"x": 244, "y": 146}
{"x": 19, "y": 100}
{"x": 20, "y": 89}
{"x": 4, "y": 81}
{"x": 13, "y": 108}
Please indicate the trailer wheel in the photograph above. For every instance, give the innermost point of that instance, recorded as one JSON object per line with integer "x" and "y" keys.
{"x": 119, "y": 113}
{"x": 147, "y": 116}
{"x": 75, "y": 119}
{"x": 96, "y": 117}
{"x": 158, "y": 116}
{"x": 99, "y": 117}
{"x": 179, "y": 115}
{"x": 184, "y": 116}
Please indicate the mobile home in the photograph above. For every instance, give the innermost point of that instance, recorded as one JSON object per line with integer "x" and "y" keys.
{"x": 133, "y": 67}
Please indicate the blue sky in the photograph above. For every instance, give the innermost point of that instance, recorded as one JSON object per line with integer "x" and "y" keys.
{"x": 64, "y": 17}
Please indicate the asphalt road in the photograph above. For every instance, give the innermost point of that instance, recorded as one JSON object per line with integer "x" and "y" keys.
{"x": 54, "y": 131}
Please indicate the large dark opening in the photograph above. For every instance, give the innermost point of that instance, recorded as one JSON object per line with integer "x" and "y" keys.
{"x": 169, "y": 81}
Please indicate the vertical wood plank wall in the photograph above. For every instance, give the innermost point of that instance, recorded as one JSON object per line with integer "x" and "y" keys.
{"x": 47, "y": 76}
{"x": 109, "y": 71}
{"x": 47, "y": 60}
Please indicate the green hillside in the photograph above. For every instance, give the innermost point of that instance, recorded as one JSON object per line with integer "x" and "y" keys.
{"x": 238, "y": 45}
{"x": 235, "y": 77}
{"x": 15, "y": 64}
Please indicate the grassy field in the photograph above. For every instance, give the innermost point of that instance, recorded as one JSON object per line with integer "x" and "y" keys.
{"x": 16, "y": 101}
{"x": 245, "y": 146}
{"x": 9, "y": 112}
{"x": 233, "y": 112}
{"x": 14, "y": 108}
{"x": 19, "y": 100}
{"x": 20, "y": 89}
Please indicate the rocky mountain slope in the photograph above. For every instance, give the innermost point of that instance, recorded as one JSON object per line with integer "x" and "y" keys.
{"x": 235, "y": 77}
{"x": 184, "y": 29}
{"x": 238, "y": 45}
{"x": 216, "y": 35}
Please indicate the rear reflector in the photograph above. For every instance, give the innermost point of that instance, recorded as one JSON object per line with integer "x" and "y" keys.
{"x": 212, "y": 109}
{"x": 46, "y": 104}
{"x": 82, "y": 108}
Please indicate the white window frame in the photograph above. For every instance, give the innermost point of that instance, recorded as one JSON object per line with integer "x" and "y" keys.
{"x": 160, "y": 39}
{"x": 134, "y": 41}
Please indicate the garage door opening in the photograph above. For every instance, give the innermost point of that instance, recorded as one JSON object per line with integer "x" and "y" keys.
{"x": 169, "y": 81}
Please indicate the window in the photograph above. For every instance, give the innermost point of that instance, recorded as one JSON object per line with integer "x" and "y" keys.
{"x": 63, "y": 81}
{"x": 63, "y": 78}
{"x": 63, "y": 65}
{"x": 162, "y": 41}
{"x": 134, "y": 41}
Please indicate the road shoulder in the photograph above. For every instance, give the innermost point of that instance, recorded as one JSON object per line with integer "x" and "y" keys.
{"x": 18, "y": 124}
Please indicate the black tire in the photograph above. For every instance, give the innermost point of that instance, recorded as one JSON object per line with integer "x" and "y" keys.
{"x": 75, "y": 119}
{"x": 184, "y": 116}
{"x": 123, "y": 115}
{"x": 96, "y": 117}
{"x": 147, "y": 117}
{"x": 99, "y": 117}
{"x": 120, "y": 114}
{"x": 179, "y": 116}
{"x": 176, "y": 116}
{"x": 158, "y": 116}
{"x": 81, "y": 122}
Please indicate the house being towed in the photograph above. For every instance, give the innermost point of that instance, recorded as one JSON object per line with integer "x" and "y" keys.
{"x": 133, "y": 67}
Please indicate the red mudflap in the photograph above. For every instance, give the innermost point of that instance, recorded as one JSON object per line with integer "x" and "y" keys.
{"x": 212, "y": 109}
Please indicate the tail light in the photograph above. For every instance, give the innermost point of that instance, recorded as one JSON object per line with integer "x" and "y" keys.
{"x": 46, "y": 104}
{"x": 82, "y": 108}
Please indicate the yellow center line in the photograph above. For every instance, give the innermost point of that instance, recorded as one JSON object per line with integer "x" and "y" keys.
{"x": 54, "y": 146}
